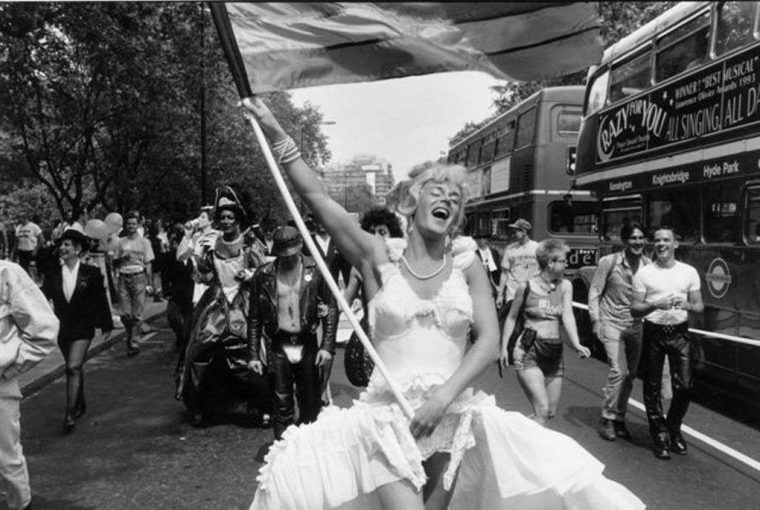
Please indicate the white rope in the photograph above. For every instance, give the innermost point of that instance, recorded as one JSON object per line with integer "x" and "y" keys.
{"x": 731, "y": 338}
{"x": 280, "y": 181}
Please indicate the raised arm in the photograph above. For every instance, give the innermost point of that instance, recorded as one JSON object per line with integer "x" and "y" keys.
{"x": 354, "y": 243}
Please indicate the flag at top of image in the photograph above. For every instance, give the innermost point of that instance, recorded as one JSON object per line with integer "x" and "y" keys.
{"x": 294, "y": 45}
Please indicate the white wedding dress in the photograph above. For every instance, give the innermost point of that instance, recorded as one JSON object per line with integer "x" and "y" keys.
{"x": 499, "y": 459}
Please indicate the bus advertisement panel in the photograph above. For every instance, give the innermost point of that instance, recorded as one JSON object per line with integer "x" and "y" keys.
{"x": 716, "y": 102}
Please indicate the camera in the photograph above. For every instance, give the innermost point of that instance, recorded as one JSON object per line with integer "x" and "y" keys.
{"x": 193, "y": 224}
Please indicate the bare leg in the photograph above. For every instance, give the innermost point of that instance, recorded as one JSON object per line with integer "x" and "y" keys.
{"x": 553, "y": 392}
{"x": 434, "y": 495}
{"x": 401, "y": 494}
{"x": 74, "y": 380}
{"x": 532, "y": 382}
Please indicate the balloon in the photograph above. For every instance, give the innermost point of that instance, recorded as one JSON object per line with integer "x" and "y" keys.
{"x": 96, "y": 229}
{"x": 114, "y": 222}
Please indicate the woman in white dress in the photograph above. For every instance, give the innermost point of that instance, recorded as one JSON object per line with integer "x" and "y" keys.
{"x": 460, "y": 450}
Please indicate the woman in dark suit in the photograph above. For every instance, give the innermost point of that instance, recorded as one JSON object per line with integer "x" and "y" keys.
{"x": 79, "y": 300}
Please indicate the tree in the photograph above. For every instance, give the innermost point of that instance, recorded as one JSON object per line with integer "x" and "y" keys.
{"x": 103, "y": 107}
{"x": 618, "y": 20}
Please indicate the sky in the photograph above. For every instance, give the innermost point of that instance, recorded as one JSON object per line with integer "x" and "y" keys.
{"x": 406, "y": 121}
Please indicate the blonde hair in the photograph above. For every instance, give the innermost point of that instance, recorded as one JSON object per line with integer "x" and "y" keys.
{"x": 409, "y": 191}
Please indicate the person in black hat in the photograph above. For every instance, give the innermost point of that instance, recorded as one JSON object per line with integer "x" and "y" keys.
{"x": 290, "y": 299}
{"x": 80, "y": 303}
{"x": 213, "y": 371}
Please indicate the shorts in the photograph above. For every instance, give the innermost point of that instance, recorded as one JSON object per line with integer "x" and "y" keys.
{"x": 545, "y": 354}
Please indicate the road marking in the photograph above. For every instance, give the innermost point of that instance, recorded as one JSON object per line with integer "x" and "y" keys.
{"x": 749, "y": 461}
{"x": 146, "y": 337}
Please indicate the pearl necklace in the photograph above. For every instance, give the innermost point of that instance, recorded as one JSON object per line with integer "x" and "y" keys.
{"x": 425, "y": 276}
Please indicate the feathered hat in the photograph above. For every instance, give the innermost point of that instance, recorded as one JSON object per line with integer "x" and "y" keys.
{"x": 226, "y": 199}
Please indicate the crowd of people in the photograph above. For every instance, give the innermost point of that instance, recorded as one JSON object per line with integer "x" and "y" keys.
{"x": 255, "y": 324}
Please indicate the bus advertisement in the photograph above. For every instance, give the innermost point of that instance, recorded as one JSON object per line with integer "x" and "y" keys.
{"x": 671, "y": 136}
{"x": 520, "y": 165}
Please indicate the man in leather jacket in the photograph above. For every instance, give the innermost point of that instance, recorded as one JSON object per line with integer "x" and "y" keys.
{"x": 288, "y": 300}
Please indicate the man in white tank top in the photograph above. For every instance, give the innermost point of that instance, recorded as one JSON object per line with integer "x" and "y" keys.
{"x": 664, "y": 293}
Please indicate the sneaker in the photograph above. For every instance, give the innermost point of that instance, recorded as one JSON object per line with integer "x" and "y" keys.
{"x": 607, "y": 429}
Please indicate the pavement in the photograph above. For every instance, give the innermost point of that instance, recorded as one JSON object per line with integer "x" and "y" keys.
{"x": 53, "y": 366}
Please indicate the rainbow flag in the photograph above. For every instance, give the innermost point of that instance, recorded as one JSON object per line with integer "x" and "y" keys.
{"x": 293, "y": 45}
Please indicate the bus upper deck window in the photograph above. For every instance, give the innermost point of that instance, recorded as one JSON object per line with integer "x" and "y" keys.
{"x": 737, "y": 24}
{"x": 526, "y": 127}
{"x": 631, "y": 77}
{"x": 597, "y": 96}
{"x": 684, "y": 48}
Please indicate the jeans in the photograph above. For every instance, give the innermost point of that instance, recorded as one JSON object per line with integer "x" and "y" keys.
{"x": 132, "y": 302}
{"x": 677, "y": 347}
{"x": 623, "y": 349}
{"x": 305, "y": 375}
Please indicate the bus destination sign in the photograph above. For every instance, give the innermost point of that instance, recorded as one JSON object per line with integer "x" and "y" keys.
{"x": 745, "y": 163}
{"x": 717, "y": 99}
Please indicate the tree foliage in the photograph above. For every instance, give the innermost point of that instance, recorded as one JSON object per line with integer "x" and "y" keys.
{"x": 103, "y": 107}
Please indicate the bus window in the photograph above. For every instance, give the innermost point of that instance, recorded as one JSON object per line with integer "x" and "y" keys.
{"x": 684, "y": 48}
{"x": 526, "y": 127}
{"x": 678, "y": 210}
{"x": 631, "y": 77}
{"x": 489, "y": 146}
{"x": 568, "y": 122}
{"x": 616, "y": 213}
{"x": 473, "y": 153}
{"x": 576, "y": 218}
{"x": 722, "y": 222}
{"x": 506, "y": 138}
{"x": 597, "y": 96}
{"x": 752, "y": 232}
{"x": 737, "y": 23}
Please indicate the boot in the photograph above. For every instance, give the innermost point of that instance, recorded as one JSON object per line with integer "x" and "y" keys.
{"x": 621, "y": 430}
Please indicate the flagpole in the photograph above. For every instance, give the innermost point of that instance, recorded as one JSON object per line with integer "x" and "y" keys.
{"x": 221, "y": 20}
{"x": 280, "y": 181}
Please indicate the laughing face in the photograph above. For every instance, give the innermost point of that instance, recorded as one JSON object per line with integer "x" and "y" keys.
{"x": 439, "y": 207}
{"x": 665, "y": 245}
{"x": 68, "y": 250}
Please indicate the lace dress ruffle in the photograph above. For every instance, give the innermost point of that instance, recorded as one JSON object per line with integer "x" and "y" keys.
{"x": 498, "y": 459}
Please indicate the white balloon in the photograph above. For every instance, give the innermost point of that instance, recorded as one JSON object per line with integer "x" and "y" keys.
{"x": 114, "y": 222}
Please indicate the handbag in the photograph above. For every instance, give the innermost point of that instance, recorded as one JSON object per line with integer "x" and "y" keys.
{"x": 356, "y": 362}
{"x": 519, "y": 326}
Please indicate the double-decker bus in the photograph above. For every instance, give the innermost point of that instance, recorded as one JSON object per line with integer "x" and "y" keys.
{"x": 671, "y": 136}
{"x": 520, "y": 165}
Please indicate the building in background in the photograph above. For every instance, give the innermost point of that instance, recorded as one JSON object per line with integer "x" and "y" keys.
{"x": 359, "y": 184}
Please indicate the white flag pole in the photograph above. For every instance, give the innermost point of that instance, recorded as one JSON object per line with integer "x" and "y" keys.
{"x": 278, "y": 179}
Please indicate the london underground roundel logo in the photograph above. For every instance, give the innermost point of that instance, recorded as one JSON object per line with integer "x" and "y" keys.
{"x": 718, "y": 278}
